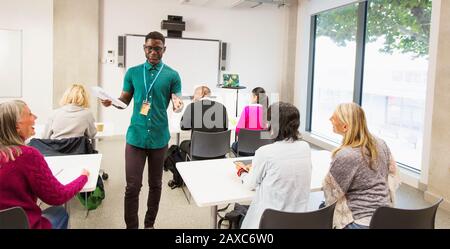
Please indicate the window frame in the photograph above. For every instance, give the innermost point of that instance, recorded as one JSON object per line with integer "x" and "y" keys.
{"x": 361, "y": 35}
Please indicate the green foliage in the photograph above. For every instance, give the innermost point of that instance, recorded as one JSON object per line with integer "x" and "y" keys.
{"x": 404, "y": 25}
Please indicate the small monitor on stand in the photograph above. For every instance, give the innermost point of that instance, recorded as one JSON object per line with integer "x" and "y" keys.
{"x": 231, "y": 81}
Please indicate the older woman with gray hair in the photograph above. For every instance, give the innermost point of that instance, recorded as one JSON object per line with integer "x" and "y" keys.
{"x": 25, "y": 175}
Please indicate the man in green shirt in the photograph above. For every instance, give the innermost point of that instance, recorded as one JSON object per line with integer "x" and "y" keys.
{"x": 152, "y": 85}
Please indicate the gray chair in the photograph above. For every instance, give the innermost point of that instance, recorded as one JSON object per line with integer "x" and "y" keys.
{"x": 250, "y": 140}
{"x": 13, "y": 218}
{"x": 318, "y": 219}
{"x": 396, "y": 218}
{"x": 209, "y": 145}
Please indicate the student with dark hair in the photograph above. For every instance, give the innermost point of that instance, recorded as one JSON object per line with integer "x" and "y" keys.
{"x": 253, "y": 117}
{"x": 153, "y": 85}
{"x": 280, "y": 172}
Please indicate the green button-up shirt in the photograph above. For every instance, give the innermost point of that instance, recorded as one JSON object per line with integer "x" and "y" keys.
{"x": 150, "y": 131}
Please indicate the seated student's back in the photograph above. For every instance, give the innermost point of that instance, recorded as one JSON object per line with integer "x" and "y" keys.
{"x": 73, "y": 118}
{"x": 280, "y": 172}
{"x": 287, "y": 179}
{"x": 204, "y": 115}
{"x": 253, "y": 117}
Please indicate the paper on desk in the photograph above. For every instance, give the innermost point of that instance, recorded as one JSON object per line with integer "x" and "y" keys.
{"x": 103, "y": 95}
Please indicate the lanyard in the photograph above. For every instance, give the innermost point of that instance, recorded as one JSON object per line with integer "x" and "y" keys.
{"x": 153, "y": 82}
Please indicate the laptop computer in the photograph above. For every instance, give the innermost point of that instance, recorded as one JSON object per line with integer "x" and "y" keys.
{"x": 230, "y": 80}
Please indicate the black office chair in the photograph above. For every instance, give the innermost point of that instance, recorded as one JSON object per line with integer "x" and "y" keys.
{"x": 13, "y": 218}
{"x": 250, "y": 140}
{"x": 318, "y": 219}
{"x": 396, "y": 218}
{"x": 209, "y": 145}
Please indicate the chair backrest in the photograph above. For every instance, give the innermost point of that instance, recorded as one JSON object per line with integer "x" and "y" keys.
{"x": 250, "y": 140}
{"x": 210, "y": 144}
{"x": 318, "y": 219}
{"x": 396, "y": 218}
{"x": 13, "y": 218}
{"x": 65, "y": 146}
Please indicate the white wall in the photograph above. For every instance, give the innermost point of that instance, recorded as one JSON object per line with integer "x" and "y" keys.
{"x": 75, "y": 46}
{"x": 35, "y": 19}
{"x": 255, "y": 39}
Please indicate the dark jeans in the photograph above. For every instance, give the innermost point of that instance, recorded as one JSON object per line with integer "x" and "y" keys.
{"x": 58, "y": 216}
{"x": 134, "y": 168}
{"x": 234, "y": 147}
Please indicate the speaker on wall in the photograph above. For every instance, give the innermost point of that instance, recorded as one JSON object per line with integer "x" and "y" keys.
{"x": 223, "y": 56}
{"x": 121, "y": 51}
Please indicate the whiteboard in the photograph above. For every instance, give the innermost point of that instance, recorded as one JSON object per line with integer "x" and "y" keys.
{"x": 196, "y": 60}
{"x": 10, "y": 63}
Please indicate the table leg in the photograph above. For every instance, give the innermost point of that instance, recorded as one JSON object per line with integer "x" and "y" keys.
{"x": 87, "y": 209}
{"x": 178, "y": 138}
{"x": 214, "y": 217}
{"x": 94, "y": 143}
{"x": 237, "y": 101}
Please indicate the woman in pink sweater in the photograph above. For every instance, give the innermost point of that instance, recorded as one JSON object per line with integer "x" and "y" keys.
{"x": 253, "y": 117}
{"x": 25, "y": 175}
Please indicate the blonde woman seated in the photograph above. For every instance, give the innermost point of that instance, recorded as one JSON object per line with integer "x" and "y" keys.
{"x": 73, "y": 118}
{"x": 359, "y": 172}
{"x": 280, "y": 172}
{"x": 25, "y": 175}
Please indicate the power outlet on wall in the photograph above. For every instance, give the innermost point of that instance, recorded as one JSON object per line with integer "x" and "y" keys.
{"x": 110, "y": 57}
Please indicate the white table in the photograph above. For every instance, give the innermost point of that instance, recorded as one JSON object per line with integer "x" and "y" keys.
{"x": 214, "y": 182}
{"x": 68, "y": 168}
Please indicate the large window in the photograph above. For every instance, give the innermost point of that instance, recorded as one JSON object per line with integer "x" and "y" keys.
{"x": 334, "y": 67}
{"x": 388, "y": 41}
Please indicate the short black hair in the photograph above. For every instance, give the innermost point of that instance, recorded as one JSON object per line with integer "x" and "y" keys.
{"x": 288, "y": 121}
{"x": 156, "y": 36}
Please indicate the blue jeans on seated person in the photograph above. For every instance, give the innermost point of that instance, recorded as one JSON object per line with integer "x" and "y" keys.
{"x": 353, "y": 225}
{"x": 234, "y": 148}
{"x": 58, "y": 216}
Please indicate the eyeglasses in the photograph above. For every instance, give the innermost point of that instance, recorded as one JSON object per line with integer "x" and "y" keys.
{"x": 150, "y": 48}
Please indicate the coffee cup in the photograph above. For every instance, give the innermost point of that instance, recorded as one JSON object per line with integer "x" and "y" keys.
{"x": 99, "y": 126}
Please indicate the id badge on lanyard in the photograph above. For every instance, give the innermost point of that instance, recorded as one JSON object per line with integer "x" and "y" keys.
{"x": 146, "y": 105}
{"x": 145, "y": 108}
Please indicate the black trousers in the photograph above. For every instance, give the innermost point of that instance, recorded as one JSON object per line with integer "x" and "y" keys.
{"x": 134, "y": 168}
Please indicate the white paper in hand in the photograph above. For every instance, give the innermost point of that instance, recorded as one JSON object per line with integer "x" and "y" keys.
{"x": 103, "y": 95}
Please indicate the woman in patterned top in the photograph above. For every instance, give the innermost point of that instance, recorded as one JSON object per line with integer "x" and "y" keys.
{"x": 361, "y": 170}
{"x": 25, "y": 175}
